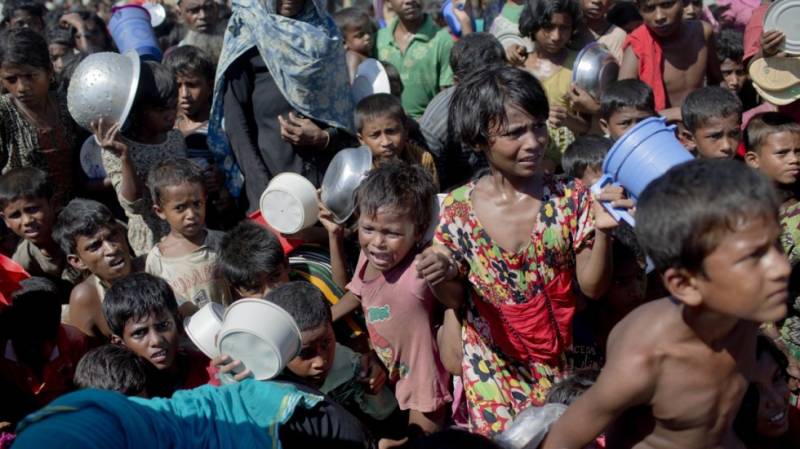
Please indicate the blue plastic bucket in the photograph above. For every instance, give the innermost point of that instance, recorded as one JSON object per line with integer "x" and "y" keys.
{"x": 131, "y": 30}
{"x": 451, "y": 19}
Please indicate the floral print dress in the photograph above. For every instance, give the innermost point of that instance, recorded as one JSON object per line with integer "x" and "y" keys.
{"x": 519, "y": 313}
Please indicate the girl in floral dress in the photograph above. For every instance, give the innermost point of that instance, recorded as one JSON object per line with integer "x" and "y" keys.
{"x": 519, "y": 237}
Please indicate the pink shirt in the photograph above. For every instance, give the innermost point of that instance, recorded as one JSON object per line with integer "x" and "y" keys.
{"x": 398, "y": 308}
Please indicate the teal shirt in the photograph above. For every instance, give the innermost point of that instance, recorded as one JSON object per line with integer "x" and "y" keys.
{"x": 425, "y": 65}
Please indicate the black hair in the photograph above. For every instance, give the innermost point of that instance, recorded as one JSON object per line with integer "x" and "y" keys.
{"x": 81, "y": 218}
{"x": 189, "y": 60}
{"x": 352, "y": 18}
{"x": 379, "y": 105}
{"x": 763, "y": 125}
{"x": 729, "y": 44}
{"x": 71, "y": 62}
{"x": 35, "y": 309}
{"x": 706, "y": 103}
{"x": 60, "y": 36}
{"x": 474, "y": 52}
{"x": 24, "y": 183}
{"x": 34, "y": 8}
{"x": 623, "y": 13}
{"x": 478, "y": 106}
{"x": 397, "y": 184}
{"x": 172, "y": 172}
{"x": 630, "y": 93}
{"x": 135, "y": 297}
{"x": 395, "y": 82}
{"x": 570, "y": 389}
{"x": 304, "y": 302}
{"x": 538, "y": 14}
{"x": 250, "y": 255}
{"x": 683, "y": 215}
{"x": 585, "y": 152}
{"x": 23, "y": 46}
{"x": 157, "y": 87}
{"x": 114, "y": 368}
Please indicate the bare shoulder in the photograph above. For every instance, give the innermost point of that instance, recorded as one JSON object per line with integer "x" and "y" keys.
{"x": 84, "y": 295}
{"x": 708, "y": 31}
{"x": 647, "y": 329}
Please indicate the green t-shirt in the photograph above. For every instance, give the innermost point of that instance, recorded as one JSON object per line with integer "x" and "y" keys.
{"x": 512, "y": 11}
{"x": 424, "y": 67}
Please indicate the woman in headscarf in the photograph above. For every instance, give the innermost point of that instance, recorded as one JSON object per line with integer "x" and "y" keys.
{"x": 283, "y": 88}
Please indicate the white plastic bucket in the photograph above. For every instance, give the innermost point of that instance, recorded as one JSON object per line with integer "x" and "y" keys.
{"x": 289, "y": 203}
{"x": 203, "y": 326}
{"x": 260, "y": 334}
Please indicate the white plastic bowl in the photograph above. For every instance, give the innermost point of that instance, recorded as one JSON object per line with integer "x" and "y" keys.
{"x": 203, "y": 327}
{"x": 289, "y": 203}
{"x": 260, "y": 334}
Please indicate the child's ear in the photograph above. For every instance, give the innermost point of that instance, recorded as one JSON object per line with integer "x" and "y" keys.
{"x": 159, "y": 212}
{"x": 604, "y": 126}
{"x": 751, "y": 158}
{"x": 360, "y": 139}
{"x": 687, "y": 139}
{"x": 682, "y": 285}
{"x": 76, "y": 262}
{"x": 117, "y": 340}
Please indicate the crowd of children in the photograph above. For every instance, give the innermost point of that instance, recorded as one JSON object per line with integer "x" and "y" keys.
{"x": 480, "y": 276}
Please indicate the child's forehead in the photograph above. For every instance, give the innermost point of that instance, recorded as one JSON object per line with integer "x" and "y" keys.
{"x": 383, "y": 118}
{"x": 316, "y": 334}
{"x": 25, "y": 201}
{"x": 151, "y": 317}
{"x": 654, "y": 3}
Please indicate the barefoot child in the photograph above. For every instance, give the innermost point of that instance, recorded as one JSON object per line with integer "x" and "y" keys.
{"x": 710, "y": 228}
{"x": 672, "y": 56}
{"x": 394, "y": 204}
{"x": 712, "y": 123}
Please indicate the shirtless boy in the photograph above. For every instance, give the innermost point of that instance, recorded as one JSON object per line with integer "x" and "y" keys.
{"x": 671, "y": 55}
{"x": 678, "y": 367}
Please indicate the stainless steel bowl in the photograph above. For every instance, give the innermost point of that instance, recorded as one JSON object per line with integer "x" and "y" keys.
{"x": 594, "y": 69}
{"x": 103, "y": 86}
{"x": 344, "y": 174}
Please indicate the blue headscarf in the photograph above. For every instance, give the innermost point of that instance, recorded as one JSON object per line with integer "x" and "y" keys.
{"x": 306, "y": 57}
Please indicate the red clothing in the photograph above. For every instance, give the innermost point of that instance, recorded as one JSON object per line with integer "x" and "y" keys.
{"x": 651, "y": 62}
{"x": 288, "y": 245}
{"x": 11, "y": 273}
{"x": 196, "y": 371}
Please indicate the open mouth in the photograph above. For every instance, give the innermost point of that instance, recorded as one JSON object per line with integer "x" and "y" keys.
{"x": 777, "y": 418}
{"x": 159, "y": 357}
{"x": 116, "y": 262}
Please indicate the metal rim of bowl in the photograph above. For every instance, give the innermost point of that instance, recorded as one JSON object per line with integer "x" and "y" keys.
{"x": 133, "y": 57}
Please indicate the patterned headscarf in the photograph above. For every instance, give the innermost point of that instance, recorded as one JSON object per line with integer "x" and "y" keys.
{"x": 306, "y": 57}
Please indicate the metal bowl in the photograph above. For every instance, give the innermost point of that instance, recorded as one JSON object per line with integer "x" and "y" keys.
{"x": 594, "y": 69}
{"x": 103, "y": 86}
{"x": 344, "y": 174}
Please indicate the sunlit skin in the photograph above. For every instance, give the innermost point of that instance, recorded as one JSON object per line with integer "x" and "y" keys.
{"x": 778, "y": 157}
{"x": 734, "y": 75}
{"x": 104, "y": 254}
{"x": 183, "y": 207}
{"x": 31, "y": 219}
{"x": 386, "y": 238}
{"x": 662, "y": 17}
{"x": 199, "y": 15}
{"x": 359, "y": 40}
{"x": 194, "y": 97}
{"x": 154, "y": 338}
{"x": 718, "y": 138}
{"x": 27, "y": 84}
{"x": 385, "y": 136}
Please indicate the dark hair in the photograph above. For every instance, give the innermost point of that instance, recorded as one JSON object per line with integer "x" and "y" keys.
{"x": 71, "y": 63}
{"x": 478, "y": 107}
{"x": 538, "y": 14}
{"x": 36, "y": 9}
{"x": 585, "y": 152}
{"x": 81, "y": 218}
{"x": 304, "y": 302}
{"x": 172, "y": 172}
{"x": 189, "y": 60}
{"x": 682, "y": 216}
{"x": 35, "y": 309}
{"x": 762, "y": 125}
{"x": 136, "y": 297}
{"x": 379, "y": 105}
{"x": 623, "y": 13}
{"x": 60, "y": 36}
{"x": 729, "y": 45}
{"x": 352, "y": 18}
{"x": 23, "y": 46}
{"x": 114, "y": 368}
{"x": 395, "y": 82}
{"x": 630, "y": 93}
{"x": 570, "y": 389}
{"x": 249, "y": 255}
{"x": 398, "y": 184}
{"x": 706, "y": 103}
{"x": 24, "y": 183}
{"x": 475, "y": 51}
{"x": 157, "y": 87}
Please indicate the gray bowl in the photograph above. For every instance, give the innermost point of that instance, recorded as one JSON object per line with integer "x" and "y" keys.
{"x": 103, "y": 86}
{"x": 594, "y": 69}
{"x": 344, "y": 174}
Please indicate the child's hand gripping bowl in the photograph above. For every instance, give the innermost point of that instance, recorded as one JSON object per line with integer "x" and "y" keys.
{"x": 615, "y": 196}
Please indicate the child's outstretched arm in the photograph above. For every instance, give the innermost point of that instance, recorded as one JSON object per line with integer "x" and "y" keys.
{"x": 108, "y": 136}
{"x": 336, "y": 245}
{"x": 347, "y": 304}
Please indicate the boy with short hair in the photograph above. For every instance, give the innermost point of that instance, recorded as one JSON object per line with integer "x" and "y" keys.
{"x": 94, "y": 242}
{"x": 583, "y": 158}
{"x": 624, "y": 104}
{"x": 677, "y": 368}
{"x": 674, "y": 57}
{"x": 712, "y": 119}
{"x": 730, "y": 54}
{"x": 772, "y": 141}
{"x": 142, "y": 313}
{"x": 252, "y": 261}
{"x": 358, "y": 34}
{"x": 115, "y": 368}
{"x": 186, "y": 256}
{"x": 25, "y": 195}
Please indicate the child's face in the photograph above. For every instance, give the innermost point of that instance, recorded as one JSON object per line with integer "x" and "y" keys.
{"x": 359, "y": 40}
{"x": 184, "y": 207}
{"x": 517, "y": 150}
{"x": 194, "y": 94}
{"x": 159, "y": 119}
{"x": 199, "y": 15}
{"x": 154, "y": 338}
{"x": 269, "y": 282}
{"x": 622, "y": 119}
{"x": 57, "y": 53}
{"x": 778, "y": 157}
{"x": 552, "y": 38}
{"x": 104, "y": 254}
{"x": 773, "y": 402}
{"x": 594, "y": 9}
{"x": 734, "y": 75}
{"x": 692, "y": 9}
{"x": 718, "y": 138}
{"x": 384, "y": 135}
{"x": 30, "y": 218}
{"x": 662, "y": 17}
{"x": 746, "y": 276}
{"x": 24, "y": 19}
{"x": 316, "y": 355}
{"x": 27, "y": 84}
{"x": 387, "y": 237}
